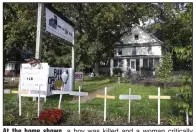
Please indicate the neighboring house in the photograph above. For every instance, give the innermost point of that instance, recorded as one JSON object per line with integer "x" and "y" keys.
{"x": 137, "y": 49}
{"x": 12, "y": 68}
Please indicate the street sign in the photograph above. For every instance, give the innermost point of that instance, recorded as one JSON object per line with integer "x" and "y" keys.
{"x": 59, "y": 27}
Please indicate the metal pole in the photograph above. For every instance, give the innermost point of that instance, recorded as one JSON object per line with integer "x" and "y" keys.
{"x": 79, "y": 101}
{"x": 39, "y": 33}
{"x": 73, "y": 61}
{"x": 105, "y": 104}
{"x": 20, "y": 104}
{"x": 129, "y": 115}
{"x": 39, "y": 30}
{"x": 38, "y": 107}
{"x": 159, "y": 105}
{"x": 187, "y": 118}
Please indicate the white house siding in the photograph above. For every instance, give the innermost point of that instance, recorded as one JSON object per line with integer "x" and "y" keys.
{"x": 143, "y": 37}
{"x": 156, "y": 50}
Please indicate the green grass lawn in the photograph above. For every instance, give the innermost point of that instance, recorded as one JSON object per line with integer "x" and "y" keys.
{"x": 143, "y": 112}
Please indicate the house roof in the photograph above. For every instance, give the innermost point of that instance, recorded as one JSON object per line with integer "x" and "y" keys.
{"x": 152, "y": 35}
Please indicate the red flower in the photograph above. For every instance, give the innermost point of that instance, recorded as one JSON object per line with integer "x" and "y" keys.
{"x": 51, "y": 116}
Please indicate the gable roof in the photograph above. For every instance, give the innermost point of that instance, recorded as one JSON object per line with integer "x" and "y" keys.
{"x": 136, "y": 25}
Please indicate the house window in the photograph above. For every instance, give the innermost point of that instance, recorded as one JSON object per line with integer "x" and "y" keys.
{"x": 150, "y": 50}
{"x": 128, "y": 63}
{"x": 134, "y": 51}
{"x": 136, "y": 36}
{"x": 151, "y": 63}
{"x": 145, "y": 63}
{"x": 118, "y": 63}
{"x": 115, "y": 63}
{"x": 132, "y": 64}
{"x": 119, "y": 51}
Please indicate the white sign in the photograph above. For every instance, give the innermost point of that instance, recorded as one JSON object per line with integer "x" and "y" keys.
{"x": 45, "y": 77}
{"x": 58, "y": 27}
{"x": 31, "y": 78}
{"x": 55, "y": 74}
{"x": 79, "y": 76}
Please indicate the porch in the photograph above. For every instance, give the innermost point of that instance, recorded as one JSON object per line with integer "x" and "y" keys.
{"x": 144, "y": 65}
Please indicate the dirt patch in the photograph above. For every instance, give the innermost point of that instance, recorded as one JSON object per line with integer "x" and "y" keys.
{"x": 91, "y": 96}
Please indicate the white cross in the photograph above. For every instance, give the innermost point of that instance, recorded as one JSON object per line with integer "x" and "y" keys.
{"x": 61, "y": 94}
{"x": 8, "y": 91}
{"x": 79, "y": 94}
{"x": 129, "y": 97}
{"x": 105, "y": 97}
{"x": 159, "y": 97}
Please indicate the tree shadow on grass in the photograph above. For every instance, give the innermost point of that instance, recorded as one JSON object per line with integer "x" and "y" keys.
{"x": 57, "y": 96}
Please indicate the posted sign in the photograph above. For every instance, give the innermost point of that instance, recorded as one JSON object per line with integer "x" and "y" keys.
{"x": 58, "y": 27}
{"x": 79, "y": 76}
{"x": 33, "y": 79}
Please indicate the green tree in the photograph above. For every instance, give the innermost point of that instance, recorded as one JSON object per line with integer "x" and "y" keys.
{"x": 164, "y": 71}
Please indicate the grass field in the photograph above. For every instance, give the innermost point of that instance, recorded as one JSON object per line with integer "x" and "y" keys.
{"x": 143, "y": 112}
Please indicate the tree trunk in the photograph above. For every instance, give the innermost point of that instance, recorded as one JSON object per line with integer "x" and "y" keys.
{"x": 97, "y": 67}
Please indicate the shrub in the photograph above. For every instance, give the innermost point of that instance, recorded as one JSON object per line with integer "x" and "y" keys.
{"x": 87, "y": 117}
{"x": 117, "y": 71}
{"x": 51, "y": 116}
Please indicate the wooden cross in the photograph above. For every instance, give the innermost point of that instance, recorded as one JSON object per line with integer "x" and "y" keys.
{"x": 129, "y": 97}
{"x": 105, "y": 97}
{"x": 79, "y": 94}
{"x": 8, "y": 91}
{"x": 159, "y": 97}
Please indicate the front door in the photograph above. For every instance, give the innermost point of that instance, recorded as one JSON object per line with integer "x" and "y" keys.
{"x": 133, "y": 65}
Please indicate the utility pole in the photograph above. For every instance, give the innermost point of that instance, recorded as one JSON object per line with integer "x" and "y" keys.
{"x": 39, "y": 34}
{"x": 39, "y": 30}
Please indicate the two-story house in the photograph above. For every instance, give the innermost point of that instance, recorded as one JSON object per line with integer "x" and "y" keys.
{"x": 137, "y": 49}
